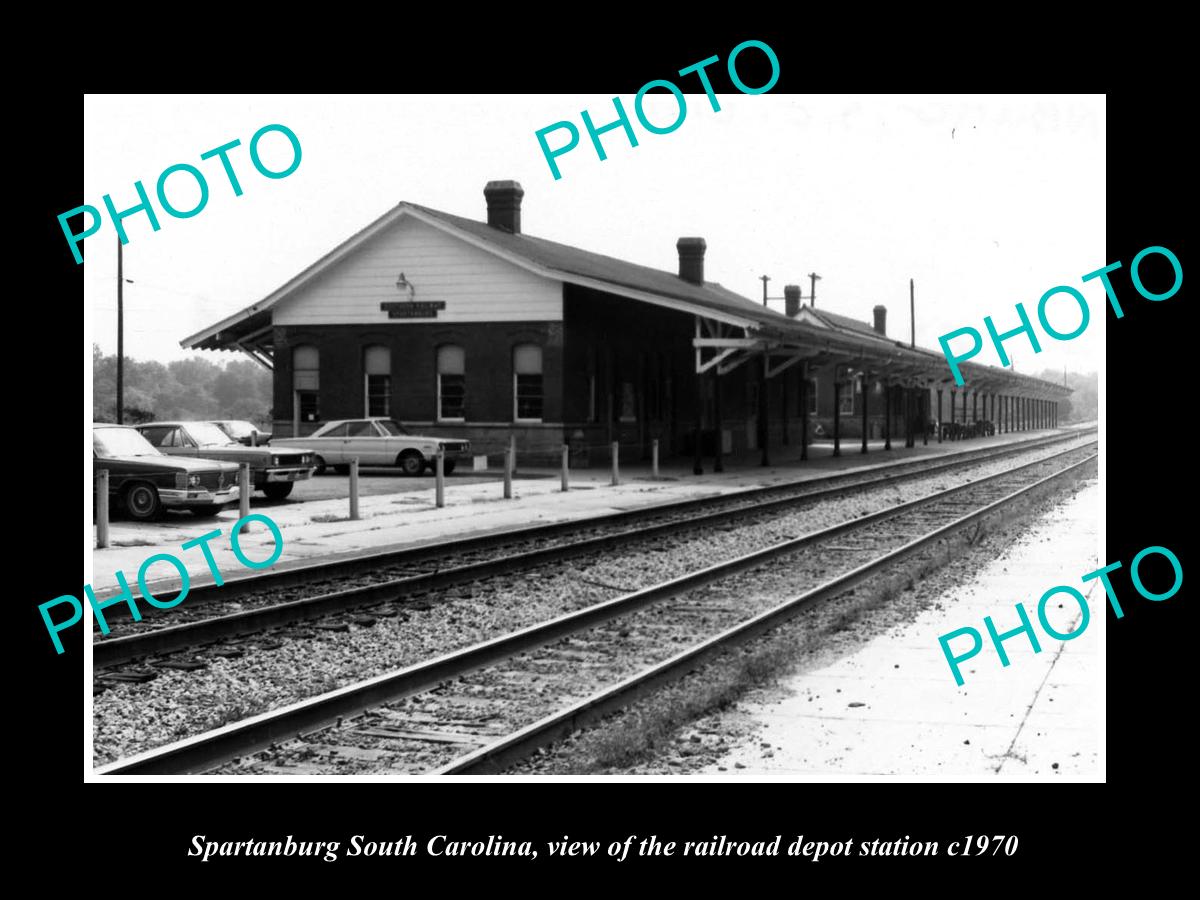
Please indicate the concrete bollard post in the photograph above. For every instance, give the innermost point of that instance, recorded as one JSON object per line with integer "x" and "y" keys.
{"x": 244, "y": 487}
{"x": 354, "y": 488}
{"x": 654, "y": 459}
{"x": 566, "y": 453}
{"x": 254, "y": 439}
{"x": 102, "y": 509}
{"x": 509, "y": 454}
{"x": 616, "y": 463}
{"x": 440, "y": 472}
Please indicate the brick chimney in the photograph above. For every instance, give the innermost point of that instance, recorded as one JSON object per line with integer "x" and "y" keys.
{"x": 791, "y": 299}
{"x": 504, "y": 205}
{"x": 881, "y": 319}
{"x": 691, "y": 258}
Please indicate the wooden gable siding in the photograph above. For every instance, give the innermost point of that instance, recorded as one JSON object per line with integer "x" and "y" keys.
{"x": 475, "y": 285}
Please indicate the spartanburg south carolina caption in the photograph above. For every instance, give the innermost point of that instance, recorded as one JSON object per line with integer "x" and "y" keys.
{"x": 442, "y": 845}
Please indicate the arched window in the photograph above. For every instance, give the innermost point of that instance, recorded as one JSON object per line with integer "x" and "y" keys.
{"x": 451, "y": 383}
{"x": 527, "y": 383}
{"x": 377, "y": 380}
{"x": 306, "y": 382}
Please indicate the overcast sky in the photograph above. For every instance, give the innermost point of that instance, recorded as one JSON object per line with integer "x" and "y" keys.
{"x": 985, "y": 201}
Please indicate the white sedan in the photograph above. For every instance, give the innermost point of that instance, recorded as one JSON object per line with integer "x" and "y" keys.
{"x": 375, "y": 442}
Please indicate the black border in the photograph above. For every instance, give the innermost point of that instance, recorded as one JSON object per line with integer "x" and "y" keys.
{"x": 1147, "y": 393}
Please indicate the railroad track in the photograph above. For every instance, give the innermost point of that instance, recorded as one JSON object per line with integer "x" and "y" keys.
{"x": 482, "y": 707}
{"x": 414, "y": 573}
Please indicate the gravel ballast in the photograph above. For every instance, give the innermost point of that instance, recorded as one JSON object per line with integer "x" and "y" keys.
{"x": 131, "y": 718}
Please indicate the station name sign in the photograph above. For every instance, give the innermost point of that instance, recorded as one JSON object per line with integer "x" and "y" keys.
{"x": 412, "y": 309}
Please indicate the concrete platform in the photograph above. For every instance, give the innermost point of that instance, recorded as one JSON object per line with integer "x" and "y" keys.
{"x": 474, "y": 505}
{"x": 891, "y": 708}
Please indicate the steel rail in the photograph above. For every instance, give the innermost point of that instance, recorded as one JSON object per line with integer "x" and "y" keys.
{"x": 518, "y": 745}
{"x": 114, "y": 651}
{"x": 301, "y": 575}
{"x": 220, "y": 745}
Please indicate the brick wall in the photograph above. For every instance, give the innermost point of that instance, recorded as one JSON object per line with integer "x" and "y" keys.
{"x": 488, "y": 349}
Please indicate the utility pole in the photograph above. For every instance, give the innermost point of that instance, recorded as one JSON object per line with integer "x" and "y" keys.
{"x": 813, "y": 278}
{"x": 912, "y": 311}
{"x": 120, "y": 336}
{"x": 764, "y": 279}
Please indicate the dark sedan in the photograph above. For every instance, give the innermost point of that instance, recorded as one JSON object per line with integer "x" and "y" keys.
{"x": 274, "y": 472}
{"x": 144, "y": 482}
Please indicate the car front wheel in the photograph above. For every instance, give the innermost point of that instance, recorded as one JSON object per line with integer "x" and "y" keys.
{"x": 142, "y": 502}
{"x": 320, "y": 465}
{"x": 411, "y": 462}
{"x": 278, "y": 491}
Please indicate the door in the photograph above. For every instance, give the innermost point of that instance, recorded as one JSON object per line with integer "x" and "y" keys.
{"x": 366, "y": 441}
{"x": 331, "y": 445}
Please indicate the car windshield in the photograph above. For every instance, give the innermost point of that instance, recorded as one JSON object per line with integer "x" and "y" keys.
{"x": 236, "y": 429}
{"x": 206, "y": 434}
{"x": 113, "y": 442}
{"x": 391, "y": 426}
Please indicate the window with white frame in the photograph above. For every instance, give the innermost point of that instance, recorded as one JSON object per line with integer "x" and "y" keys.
{"x": 811, "y": 396}
{"x": 451, "y": 383}
{"x": 377, "y": 381}
{"x": 527, "y": 383}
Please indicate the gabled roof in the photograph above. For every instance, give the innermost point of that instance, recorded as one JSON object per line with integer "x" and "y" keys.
{"x": 566, "y": 260}
{"x": 547, "y": 258}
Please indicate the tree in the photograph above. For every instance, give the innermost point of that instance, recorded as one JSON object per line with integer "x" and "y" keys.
{"x": 194, "y": 388}
{"x": 1083, "y": 404}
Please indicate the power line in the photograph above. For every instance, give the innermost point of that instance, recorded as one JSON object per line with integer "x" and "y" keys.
{"x": 158, "y": 287}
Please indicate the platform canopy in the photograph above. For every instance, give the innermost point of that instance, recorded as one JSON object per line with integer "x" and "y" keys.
{"x": 818, "y": 337}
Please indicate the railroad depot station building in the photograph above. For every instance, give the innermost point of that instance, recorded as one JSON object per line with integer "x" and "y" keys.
{"x": 473, "y": 329}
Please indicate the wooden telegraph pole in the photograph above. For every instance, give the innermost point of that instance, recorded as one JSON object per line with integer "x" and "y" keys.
{"x": 120, "y": 336}
{"x": 912, "y": 311}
